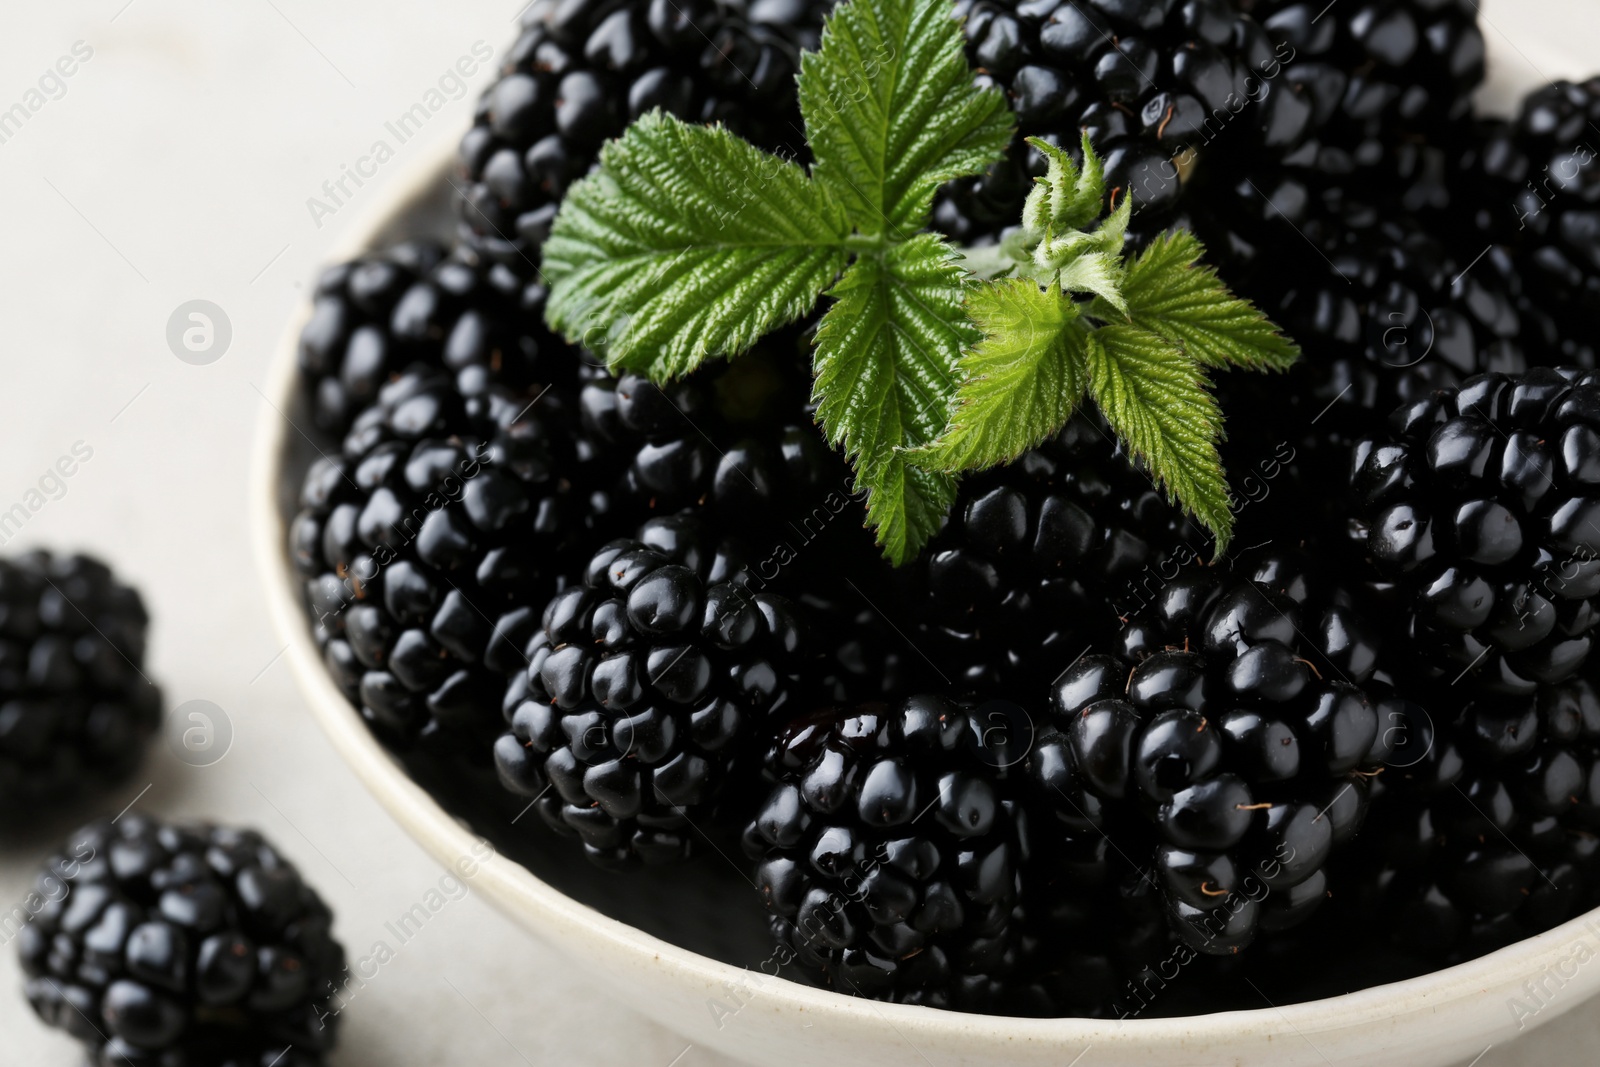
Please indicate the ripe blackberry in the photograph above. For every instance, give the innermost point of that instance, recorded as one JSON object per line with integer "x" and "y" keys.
{"x": 1491, "y": 827}
{"x": 1221, "y": 745}
{"x": 1478, "y": 515}
{"x": 1408, "y": 66}
{"x": 737, "y": 441}
{"x": 1534, "y": 186}
{"x": 374, "y": 317}
{"x": 890, "y": 855}
{"x": 581, "y": 70}
{"x": 75, "y": 706}
{"x": 643, "y": 688}
{"x": 1037, "y": 554}
{"x": 159, "y": 944}
{"x": 1163, "y": 88}
{"x": 1384, "y": 314}
{"x": 428, "y": 543}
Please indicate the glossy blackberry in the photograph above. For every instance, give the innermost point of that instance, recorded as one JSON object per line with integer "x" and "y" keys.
{"x": 1163, "y": 88}
{"x": 1037, "y": 554}
{"x": 429, "y": 543}
{"x": 374, "y": 317}
{"x": 1222, "y": 745}
{"x": 1384, "y": 314}
{"x": 737, "y": 441}
{"x": 1407, "y": 65}
{"x": 1534, "y": 186}
{"x": 76, "y": 709}
{"x": 581, "y": 70}
{"x": 1491, "y": 809}
{"x": 890, "y": 854}
{"x": 644, "y": 688}
{"x": 1480, "y": 517}
{"x": 160, "y": 944}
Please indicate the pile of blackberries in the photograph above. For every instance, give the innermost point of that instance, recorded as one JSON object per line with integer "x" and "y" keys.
{"x": 1065, "y": 745}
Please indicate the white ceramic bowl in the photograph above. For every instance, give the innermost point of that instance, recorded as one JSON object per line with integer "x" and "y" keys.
{"x": 1447, "y": 1017}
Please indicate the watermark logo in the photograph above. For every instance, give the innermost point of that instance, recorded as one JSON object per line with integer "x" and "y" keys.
{"x": 201, "y": 733}
{"x": 199, "y": 332}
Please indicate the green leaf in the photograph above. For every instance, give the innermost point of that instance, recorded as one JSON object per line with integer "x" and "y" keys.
{"x": 886, "y": 361}
{"x": 688, "y": 243}
{"x": 1169, "y": 293}
{"x": 1155, "y": 398}
{"x": 1065, "y": 198}
{"x": 891, "y": 112}
{"x": 1094, "y": 272}
{"x": 1022, "y": 380}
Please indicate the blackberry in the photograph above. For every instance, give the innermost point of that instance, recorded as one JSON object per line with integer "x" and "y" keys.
{"x": 1478, "y": 515}
{"x": 738, "y": 442}
{"x": 374, "y": 317}
{"x": 1154, "y": 84}
{"x": 1384, "y": 314}
{"x": 890, "y": 855}
{"x": 581, "y": 70}
{"x": 1037, "y": 554}
{"x": 1491, "y": 827}
{"x": 643, "y": 688}
{"x": 1534, "y": 187}
{"x": 428, "y": 543}
{"x": 156, "y": 944}
{"x": 1222, "y": 744}
{"x": 1408, "y": 66}
{"x": 76, "y": 709}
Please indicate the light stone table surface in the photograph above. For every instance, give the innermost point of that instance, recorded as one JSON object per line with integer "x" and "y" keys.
{"x": 176, "y": 163}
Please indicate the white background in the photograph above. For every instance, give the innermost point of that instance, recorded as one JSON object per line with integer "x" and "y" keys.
{"x": 177, "y": 166}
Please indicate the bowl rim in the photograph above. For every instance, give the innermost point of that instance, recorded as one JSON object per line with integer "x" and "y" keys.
{"x": 539, "y": 907}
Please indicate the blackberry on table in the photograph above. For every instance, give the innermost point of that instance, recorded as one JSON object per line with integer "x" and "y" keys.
{"x": 158, "y": 944}
{"x": 643, "y": 691}
{"x": 1223, "y": 744}
{"x": 582, "y": 70}
{"x": 1480, "y": 517}
{"x": 76, "y": 709}
{"x": 890, "y": 854}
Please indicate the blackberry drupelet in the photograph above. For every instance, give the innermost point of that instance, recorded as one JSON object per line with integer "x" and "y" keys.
{"x": 375, "y": 317}
{"x": 429, "y": 542}
{"x": 1036, "y": 555}
{"x": 1222, "y": 745}
{"x": 890, "y": 855}
{"x": 644, "y": 690}
{"x": 582, "y": 70}
{"x": 1480, "y": 517}
{"x": 1163, "y": 88}
{"x": 76, "y": 709}
{"x": 157, "y": 944}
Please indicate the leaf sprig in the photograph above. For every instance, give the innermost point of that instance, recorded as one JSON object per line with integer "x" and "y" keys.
{"x": 687, "y": 243}
{"x": 1069, "y": 317}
